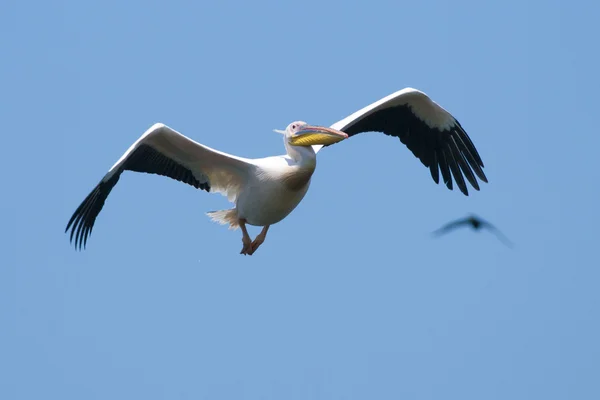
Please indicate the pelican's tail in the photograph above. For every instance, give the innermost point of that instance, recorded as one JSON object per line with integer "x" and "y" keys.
{"x": 225, "y": 217}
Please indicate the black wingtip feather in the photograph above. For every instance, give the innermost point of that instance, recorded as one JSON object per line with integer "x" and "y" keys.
{"x": 456, "y": 173}
{"x": 144, "y": 159}
{"x": 468, "y": 143}
{"x": 435, "y": 169}
{"x": 449, "y": 151}
{"x": 84, "y": 217}
{"x": 462, "y": 163}
{"x": 445, "y": 169}
{"x": 468, "y": 155}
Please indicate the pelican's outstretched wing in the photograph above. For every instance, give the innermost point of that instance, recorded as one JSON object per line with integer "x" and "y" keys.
{"x": 164, "y": 151}
{"x": 433, "y": 135}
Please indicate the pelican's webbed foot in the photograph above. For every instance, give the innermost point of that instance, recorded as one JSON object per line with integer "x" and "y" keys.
{"x": 260, "y": 239}
{"x": 247, "y": 242}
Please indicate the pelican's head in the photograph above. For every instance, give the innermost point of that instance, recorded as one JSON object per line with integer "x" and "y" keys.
{"x": 299, "y": 133}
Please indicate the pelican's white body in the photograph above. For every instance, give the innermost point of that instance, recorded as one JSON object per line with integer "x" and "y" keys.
{"x": 268, "y": 197}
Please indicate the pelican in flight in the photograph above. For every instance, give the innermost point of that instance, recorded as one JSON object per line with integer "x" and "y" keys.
{"x": 266, "y": 190}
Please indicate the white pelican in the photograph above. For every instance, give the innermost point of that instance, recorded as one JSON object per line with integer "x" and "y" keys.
{"x": 266, "y": 190}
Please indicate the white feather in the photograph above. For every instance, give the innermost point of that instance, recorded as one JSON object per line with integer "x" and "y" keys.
{"x": 421, "y": 105}
{"x": 225, "y": 173}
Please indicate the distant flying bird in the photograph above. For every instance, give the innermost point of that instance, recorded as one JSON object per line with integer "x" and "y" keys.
{"x": 475, "y": 222}
{"x": 266, "y": 190}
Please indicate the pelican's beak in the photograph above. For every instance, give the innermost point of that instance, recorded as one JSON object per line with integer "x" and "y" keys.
{"x": 311, "y": 135}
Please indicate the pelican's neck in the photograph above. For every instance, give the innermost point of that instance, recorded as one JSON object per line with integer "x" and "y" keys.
{"x": 303, "y": 155}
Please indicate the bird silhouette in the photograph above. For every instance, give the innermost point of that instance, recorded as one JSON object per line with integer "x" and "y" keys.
{"x": 475, "y": 222}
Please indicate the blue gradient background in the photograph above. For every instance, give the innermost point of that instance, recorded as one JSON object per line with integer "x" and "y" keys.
{"x": 349, "y": 298}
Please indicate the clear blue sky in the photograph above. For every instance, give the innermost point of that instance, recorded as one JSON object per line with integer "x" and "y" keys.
{"x": 349, "y": 298}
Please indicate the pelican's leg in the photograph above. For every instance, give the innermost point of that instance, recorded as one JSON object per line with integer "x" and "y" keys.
{"x": 259, "y": 239}
{"x": 245, "y": 238}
